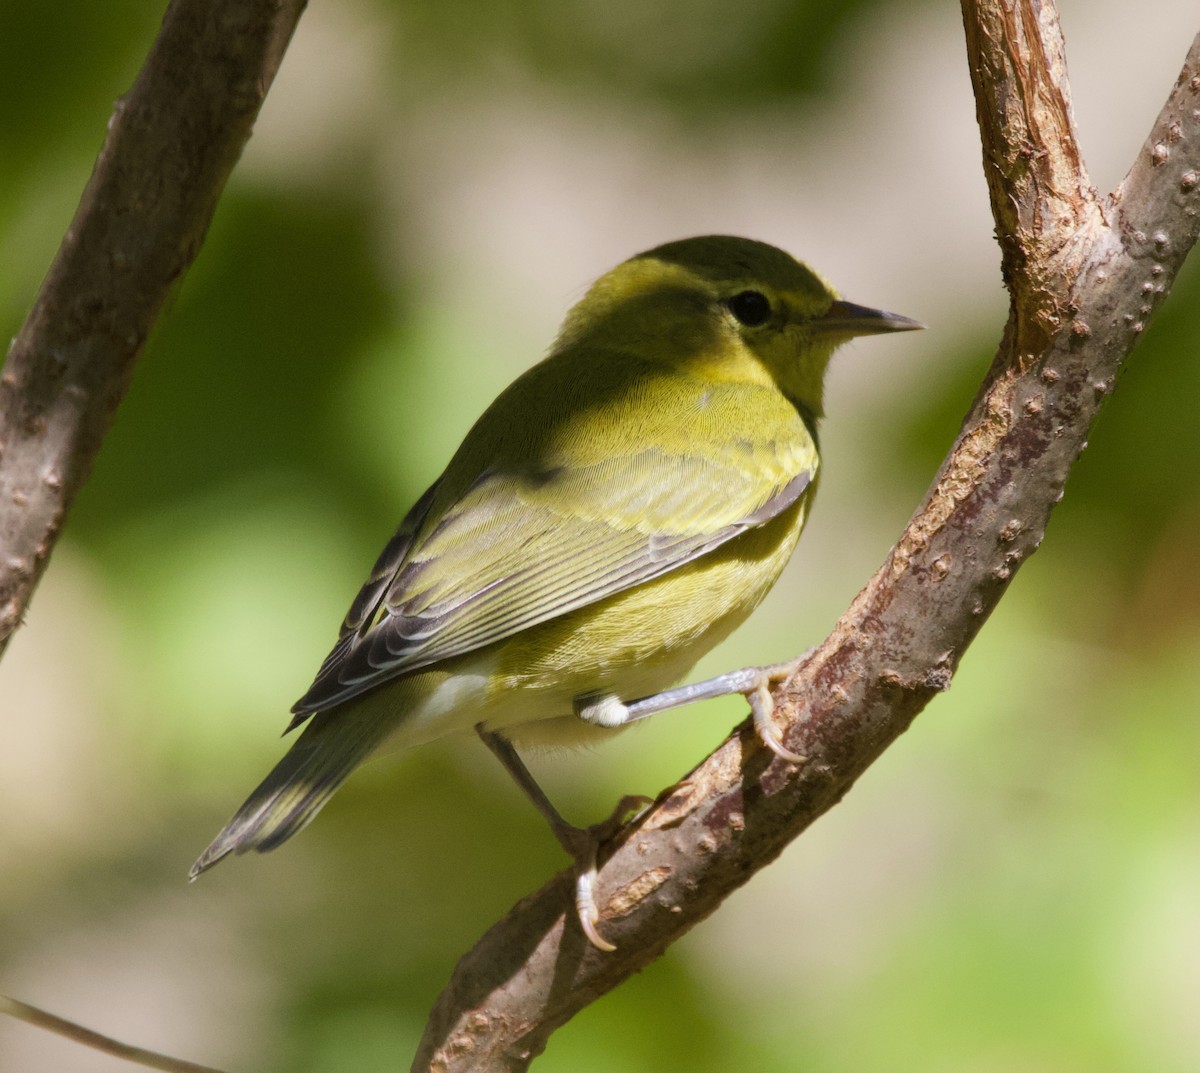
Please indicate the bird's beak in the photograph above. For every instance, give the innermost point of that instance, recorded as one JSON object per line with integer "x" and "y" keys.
{"x": 848, "y": 319}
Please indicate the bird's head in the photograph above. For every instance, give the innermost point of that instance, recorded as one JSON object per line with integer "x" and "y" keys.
{"x": 726, "y": 308}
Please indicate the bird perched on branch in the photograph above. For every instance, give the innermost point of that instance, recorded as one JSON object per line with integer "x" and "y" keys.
{"x": 617, "y": 511}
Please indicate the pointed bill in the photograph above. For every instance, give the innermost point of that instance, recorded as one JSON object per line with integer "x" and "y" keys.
{"x": 847, "y": 318}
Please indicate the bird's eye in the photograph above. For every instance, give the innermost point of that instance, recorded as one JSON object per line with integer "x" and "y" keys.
{"x": 750, "y": 307}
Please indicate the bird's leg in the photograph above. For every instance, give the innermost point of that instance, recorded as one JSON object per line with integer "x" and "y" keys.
{"x": 581, "y": 843}
{"x": 754, "y": 683}
{"x": 607, "y": 710}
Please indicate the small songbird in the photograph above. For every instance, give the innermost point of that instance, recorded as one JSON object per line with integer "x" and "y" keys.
{"x": 617, "y": 511}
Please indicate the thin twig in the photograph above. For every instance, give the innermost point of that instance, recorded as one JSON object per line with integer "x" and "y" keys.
{"x": 22, "y": 1011}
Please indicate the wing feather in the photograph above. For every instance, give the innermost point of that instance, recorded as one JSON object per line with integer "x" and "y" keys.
{"x": 559, "y": 568}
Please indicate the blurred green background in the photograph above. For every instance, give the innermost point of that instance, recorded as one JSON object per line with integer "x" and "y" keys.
{"x": 1014, "y": 886}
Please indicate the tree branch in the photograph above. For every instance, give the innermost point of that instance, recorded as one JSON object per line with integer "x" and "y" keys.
{"x": 172, "y": 142}
{"x": 1084, "y": 274}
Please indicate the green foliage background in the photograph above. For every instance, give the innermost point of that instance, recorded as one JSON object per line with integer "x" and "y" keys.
{"x": 1013, "y": 886}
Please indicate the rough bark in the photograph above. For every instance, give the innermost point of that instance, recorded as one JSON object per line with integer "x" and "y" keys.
{"x": 1084, "y": 275}
{"x": 172, "y": 141}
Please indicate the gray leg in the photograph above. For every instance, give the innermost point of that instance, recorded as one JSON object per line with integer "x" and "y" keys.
{"x": 752, "y": 682}
{"x": 580, "y": 843}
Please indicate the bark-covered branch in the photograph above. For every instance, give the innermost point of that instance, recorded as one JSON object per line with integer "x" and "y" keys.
{"x": 1084, "y": 274}
{"x": 172, "y": 141}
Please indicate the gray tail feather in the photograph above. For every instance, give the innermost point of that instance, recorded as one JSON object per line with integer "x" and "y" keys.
{"x": 332, "y": 746}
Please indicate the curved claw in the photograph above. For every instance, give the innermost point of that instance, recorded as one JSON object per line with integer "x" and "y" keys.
{"x": 762, "y": 707}
{"x": 585, "y": 862}
{"x": 585, "y": 906}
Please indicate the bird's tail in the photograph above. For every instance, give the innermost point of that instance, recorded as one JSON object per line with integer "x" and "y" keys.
{"x": 332, "y": 745}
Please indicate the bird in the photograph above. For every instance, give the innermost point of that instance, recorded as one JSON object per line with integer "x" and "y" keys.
{"x": 616, "y": 512}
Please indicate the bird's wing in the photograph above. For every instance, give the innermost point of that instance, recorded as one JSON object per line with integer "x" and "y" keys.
{"x": 517, "y": 549}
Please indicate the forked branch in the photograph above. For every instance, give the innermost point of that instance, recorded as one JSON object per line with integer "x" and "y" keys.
{"x": 1084, "y": 275}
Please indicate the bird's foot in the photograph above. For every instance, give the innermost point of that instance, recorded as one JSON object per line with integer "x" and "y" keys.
{"x": 583, "y": 844}
{"x": 762, "y": 706}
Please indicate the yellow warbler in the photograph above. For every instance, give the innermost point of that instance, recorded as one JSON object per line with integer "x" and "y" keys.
{"x": 616, "y": 512}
